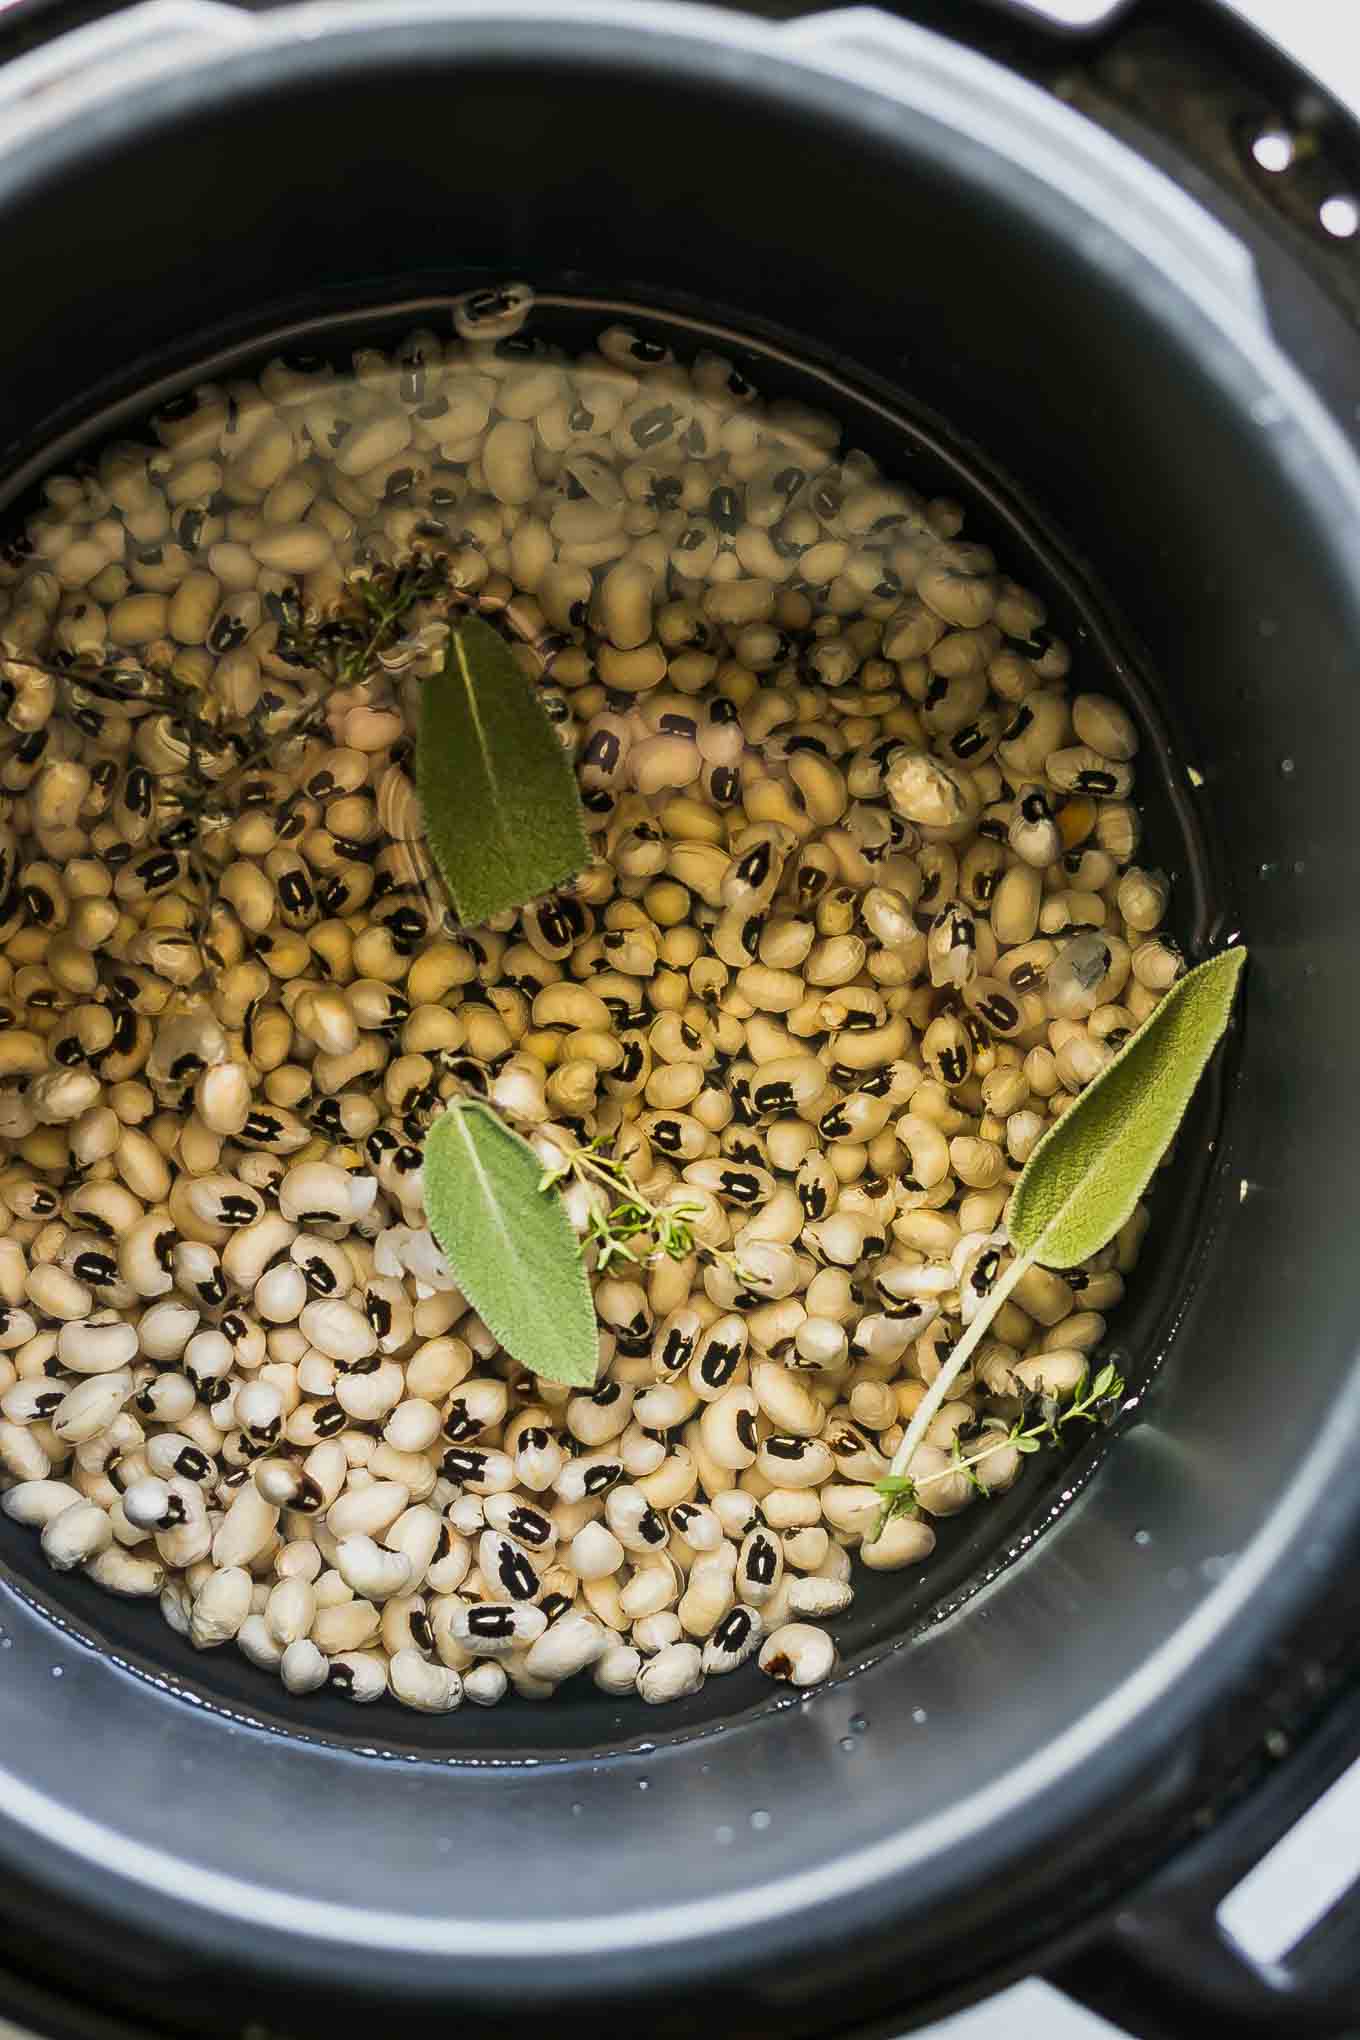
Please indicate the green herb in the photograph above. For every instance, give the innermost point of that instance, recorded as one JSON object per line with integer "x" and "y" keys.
{"x": 363, "y": 625}
{"x": 512, "y": 1250}
{"x": 511, "y": 1244}
{"x": 497, "y": 789}
{"x": 633, "y": 1228}
{"x": 1084, "y": 1178}
{"x": 1091, "y": 1401}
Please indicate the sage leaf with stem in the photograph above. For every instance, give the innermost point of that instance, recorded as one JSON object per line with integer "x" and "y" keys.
{"x": 1084, "y": 1178}
{"x": 496, "y": 787}
{"x": 512, "y": 1250}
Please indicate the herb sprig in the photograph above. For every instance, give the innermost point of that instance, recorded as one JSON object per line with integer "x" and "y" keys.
{"x": 1086, "y": 1175}
{"x": 633, "y": 1221}
{"x": 1092, "y": 1402}
{"x": 345, "y": 644}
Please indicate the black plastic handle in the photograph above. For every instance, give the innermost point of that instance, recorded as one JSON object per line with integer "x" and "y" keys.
{"x": 1164, "y": 1967}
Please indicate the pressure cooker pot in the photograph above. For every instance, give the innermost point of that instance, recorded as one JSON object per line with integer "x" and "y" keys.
{"x": 1004, "y": 305}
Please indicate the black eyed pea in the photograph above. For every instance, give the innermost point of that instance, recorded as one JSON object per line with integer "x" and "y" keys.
{"x": 733, "y": 1640}
{"x": 674, "y": 1343}
{"x": 75, "y": 1534}
{"x": 486, "y": 1683}
{"x": 345, "y": 1627}
{"x": 978, "y": 1163}
{"x": 728, "y": 1429}
{"x": 710, "y": 1594}
{"x": 100, "y": 1344}
{"x": 573, "y": 1642}
{"x": 33, "y": 1399}
{"x": 21, "y": 1454}
{"x": 838, "y": 1239}
{"x": 57, "y": 1293}
{"x": 61, "y": 1096}
{"x": 796, "y": 1462}
{"x": 595, "y": 1553}
{"x": 36, "y": 1502}
{"x": 851, "y": 1508}
{"x": 996, "y": 1005}
{"x": 760, "y": 1566}
{"x": 942, "y": 800}
{"x": 428, "y": 1688}
{"x": 303, "y": 1667}
{"x": 507, "y": 1568}
{"x": 805, "y": 1550}
{"x": 1033, "y": 835}
{"x": 1157, "y": 964}
{"x": 1040, "y": 726}
{"x": 906, "y": 1540}
{"x": 675, "y": 1480}
{"x": 1142, "y": 899}
{"x": 1104, "y": 726}
{"x": 817, "y": 1598}
{"x": 835, "y": 961}
{"x": 370, "y": 1390}
{"x": 338, "y": 1329}
{"x": 495, "y": 1629}
{"x": 821, "y": 785}
{"x": 375, "y": 1574}
{"x": 1059, "y": 1373}
{"x": 787, "y": 1084}
{"x": 86, "y": 1411}
{"x": 941, "y": 1489}
{"x": 246, "y": 1530}
{"x": 787, "y": 1404}
{"x": 771, "y": 1270}
{"x": 736, "y": 1510}
{"x": 718, "y": 1358}
{"x": 947, "y": 1051}
{"x": 280, "y": 1294}
{"x": 676, "y": 1670}
{"x": 128, "y": 1574}
{"x": 1079, "y": 769}
{"x": 1083, "y": 1331}
{"x": 188, "y": 1532}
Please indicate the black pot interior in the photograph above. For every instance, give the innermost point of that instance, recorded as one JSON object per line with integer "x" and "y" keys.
{"x": 1153, "y": 482}
{"x": 888, "y": 1607}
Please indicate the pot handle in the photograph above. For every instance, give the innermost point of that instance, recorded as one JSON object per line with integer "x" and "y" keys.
{"x": 1244, "y": 1932}
{"x": 121, "y": 49}
{"x": 876, "y": 51}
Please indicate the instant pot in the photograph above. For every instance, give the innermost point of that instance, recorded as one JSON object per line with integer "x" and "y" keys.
{"x": 1092, "y": 267}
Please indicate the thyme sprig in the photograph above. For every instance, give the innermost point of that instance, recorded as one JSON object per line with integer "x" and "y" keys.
{"x": 633, "y": 1228}
{"x": 1093, "y": 1402}
{"x": 344, "y": 645}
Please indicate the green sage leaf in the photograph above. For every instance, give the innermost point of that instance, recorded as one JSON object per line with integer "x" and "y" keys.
{"x": 1086, "y": 1175}
{"x": 497, "y": 789}
{"x": 509, "y": 1243}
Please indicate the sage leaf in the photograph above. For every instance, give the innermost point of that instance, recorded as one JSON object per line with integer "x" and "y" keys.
{"x": 1089, "y": 1170}
{"x": 1086, "y": 1175}
{"x": 497, "y": 789}
{"x": 510, "y": 1243}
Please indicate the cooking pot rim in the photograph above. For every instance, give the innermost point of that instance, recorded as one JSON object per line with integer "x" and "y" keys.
{"x": 43, "y": 1840}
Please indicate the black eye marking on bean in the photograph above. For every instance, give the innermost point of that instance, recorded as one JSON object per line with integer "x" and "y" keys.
{"x": 719, "y": 1364}
{"x": 734, "y": 1629}
{"x": 515, "y": 1573}
{"x": 677, "y": 1351}
{"x": 762, "y": 1562}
